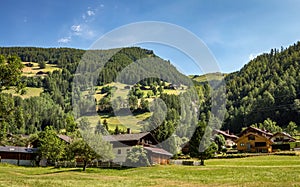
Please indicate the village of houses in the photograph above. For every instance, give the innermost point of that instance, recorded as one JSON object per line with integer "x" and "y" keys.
{"x": 251, "y": 140}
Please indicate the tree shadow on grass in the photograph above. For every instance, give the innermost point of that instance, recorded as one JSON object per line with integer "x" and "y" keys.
{"x": 61, "y": 170}
{"x": 88, "y": 169}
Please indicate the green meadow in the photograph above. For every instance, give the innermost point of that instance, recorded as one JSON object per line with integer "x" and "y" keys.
{"x": 29, "y": 92}
{"x": 251, "y": 171}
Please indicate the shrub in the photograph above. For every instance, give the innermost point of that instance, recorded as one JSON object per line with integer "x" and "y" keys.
{"x": 288, "y": 153}
{"x": 188, "y": 162}
{"x": 137, "y": 157}
{"x": 29, "y": 64}
{"x": 42, "y": 65}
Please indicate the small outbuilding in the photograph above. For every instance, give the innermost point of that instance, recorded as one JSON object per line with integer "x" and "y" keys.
{"x": 21, "y": 156}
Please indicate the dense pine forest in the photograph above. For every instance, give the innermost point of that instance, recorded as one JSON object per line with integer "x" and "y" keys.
{"x": 267, "y": 87}
{"x": 264, "y": 92}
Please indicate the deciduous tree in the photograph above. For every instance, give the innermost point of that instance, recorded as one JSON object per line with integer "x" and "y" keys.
{"x": 91, "y": 147}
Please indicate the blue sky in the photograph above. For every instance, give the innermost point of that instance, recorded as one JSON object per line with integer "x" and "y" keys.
{"x": 234, "y": 30}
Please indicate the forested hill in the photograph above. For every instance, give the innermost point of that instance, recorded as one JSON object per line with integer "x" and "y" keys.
{"x": 59, "y": 56}
{"x": 69, "y": 58}
{"x": 267, "y": 87}
{"x": 53, "y": 107}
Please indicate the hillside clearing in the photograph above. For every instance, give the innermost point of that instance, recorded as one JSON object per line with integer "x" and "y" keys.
{"x": 123, "y": 122}
{"x": 32, "y": 71}
{"x": 30, "y": 92}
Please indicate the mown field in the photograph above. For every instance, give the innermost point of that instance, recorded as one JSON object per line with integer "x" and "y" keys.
{"x": 253, "y": 171}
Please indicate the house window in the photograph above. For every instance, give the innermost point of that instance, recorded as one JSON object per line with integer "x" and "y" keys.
{"x": 260, "y": 144}
{"x": 242, "y": 144}
{"x": 251, "y": 137}
{"x": 119, "y": 151}
{"x": 127, "y": 150}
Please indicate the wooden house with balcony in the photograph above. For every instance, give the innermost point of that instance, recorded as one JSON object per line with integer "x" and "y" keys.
{"x": 254, "y": 140}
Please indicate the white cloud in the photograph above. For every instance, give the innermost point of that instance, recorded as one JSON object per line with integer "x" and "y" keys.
{"x": 102, "y": 5}
{"x": 64, "y": 40}
{"x": 76, "y": 28}
{"x": 82, "y": 28}
{"x": 90, "y": 13}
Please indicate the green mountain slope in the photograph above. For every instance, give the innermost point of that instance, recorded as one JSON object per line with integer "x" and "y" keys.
{"x": 267, "y": 87}
{"x": 54, "y": 106}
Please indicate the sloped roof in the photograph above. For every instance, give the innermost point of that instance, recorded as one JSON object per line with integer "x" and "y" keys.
{"x": 226, "y": 134}
{"x": 65, "y": 138}
{"x": 158, "y": 151}
{"x": 284, "y": 134}
{"x": 125, "y": 137}
{"x": 15, "y": 149}
{"x": 257, "y": 130}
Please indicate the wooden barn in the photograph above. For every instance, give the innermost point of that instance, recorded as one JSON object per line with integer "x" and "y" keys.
{"x": 21, "y": 156}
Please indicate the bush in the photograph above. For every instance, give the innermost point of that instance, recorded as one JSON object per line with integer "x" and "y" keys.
{"x": 188, "y": 162}
{"x": 288, "y": 153}
{"x": 40, "y": 73}
{"x": 137, "y": 157}
{"x": 242, "y": 155}
{"x": 29, "y": 64}
{"x": 42, "y": 65}
{"x": 182, "y": 156}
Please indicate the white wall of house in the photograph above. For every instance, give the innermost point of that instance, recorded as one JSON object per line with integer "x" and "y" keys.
{"x": 120, "y": 154}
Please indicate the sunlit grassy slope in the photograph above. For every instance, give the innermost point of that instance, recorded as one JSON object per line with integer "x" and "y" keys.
{"x": 32, "y": 71}
{"x": 30, "y": 92}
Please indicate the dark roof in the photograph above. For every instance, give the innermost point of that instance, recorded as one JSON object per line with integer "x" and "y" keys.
{"x": 125, "y": 137}
{"x": 257, "y": 130}
{"x": 158, "y": 151}
{"x": 14, "y": 149}
{"x": 65, "y": 138}
{"x": 285, "y": 134}
{"x": 226, "y": 134}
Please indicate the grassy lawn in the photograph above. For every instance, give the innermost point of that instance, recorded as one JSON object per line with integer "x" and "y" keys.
{"x": 253, "y": 171}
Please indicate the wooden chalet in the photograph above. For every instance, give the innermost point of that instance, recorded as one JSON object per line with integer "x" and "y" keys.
{"x": 281, "y": 141}
{"x": 254, "y": 140}
{"x": 21, "y": 156}
{"x": 122, "y": 143}
{"x": 256, "y": 130}
{"x": 282, "y": 137}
